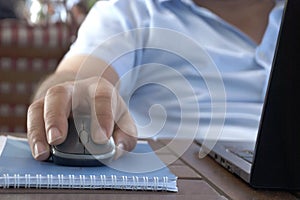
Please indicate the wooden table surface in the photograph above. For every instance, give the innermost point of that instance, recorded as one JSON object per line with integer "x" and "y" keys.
{"x": 197, "y": 179}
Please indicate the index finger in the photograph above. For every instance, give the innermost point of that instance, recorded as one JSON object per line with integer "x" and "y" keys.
{"x": 56, "y": 112}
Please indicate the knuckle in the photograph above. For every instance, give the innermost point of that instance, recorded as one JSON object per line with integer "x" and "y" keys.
{"x": 103, "y": 101}
{"x": 104, "y": 93}
{"x": 105, "y": 114}
{"x": 35, "y": 106}
{"x": 58, "y": 89}
{"x": 34, "y": 112}
{"x": 33, "y": 135}
{"x": 103, "y": 107}
{"x": 51, "y": 117}
{"x": 32, "y": 126}
{"x": 35, "y": 132}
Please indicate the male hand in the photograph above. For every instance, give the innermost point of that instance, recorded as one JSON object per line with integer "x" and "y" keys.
{"x": 47, "y": 119}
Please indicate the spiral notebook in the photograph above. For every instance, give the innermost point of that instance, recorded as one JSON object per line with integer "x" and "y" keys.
{"x": 18, "y": 169}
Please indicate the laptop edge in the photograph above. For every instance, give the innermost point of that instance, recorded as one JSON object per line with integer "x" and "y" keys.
{"x": 276, "y": 161}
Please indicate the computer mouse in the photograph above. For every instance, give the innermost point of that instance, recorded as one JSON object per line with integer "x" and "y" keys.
{"x": 79, "y": 149}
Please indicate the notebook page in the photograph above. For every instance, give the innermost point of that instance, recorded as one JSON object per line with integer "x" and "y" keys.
{"x": 19, "y": 169}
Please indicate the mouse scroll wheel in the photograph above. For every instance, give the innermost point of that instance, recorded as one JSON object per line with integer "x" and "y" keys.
{"x": 84, "y": 137}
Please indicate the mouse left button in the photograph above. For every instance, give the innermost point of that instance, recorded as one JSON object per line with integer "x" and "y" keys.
{"x": 72, "y": 143}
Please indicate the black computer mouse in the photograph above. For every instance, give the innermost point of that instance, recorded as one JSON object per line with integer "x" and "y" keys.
{"x": 79, "y": 149}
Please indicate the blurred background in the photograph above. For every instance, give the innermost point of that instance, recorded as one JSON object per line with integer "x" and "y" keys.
{"x": 34, "y": 36}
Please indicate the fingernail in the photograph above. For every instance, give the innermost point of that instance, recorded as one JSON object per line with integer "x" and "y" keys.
{"x": 100, "y": 137}
{"x": 120, "y": 150}
{"x": 53, "y": 135}
{"x": 39, "y": 150}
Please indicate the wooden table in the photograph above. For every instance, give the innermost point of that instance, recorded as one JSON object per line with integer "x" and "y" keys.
{"x": 197, "y": 179}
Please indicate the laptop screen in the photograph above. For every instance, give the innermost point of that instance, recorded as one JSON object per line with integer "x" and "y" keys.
{"x": 277, "y": 155}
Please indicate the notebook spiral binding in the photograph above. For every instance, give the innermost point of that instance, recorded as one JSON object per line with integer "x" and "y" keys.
{"x": 60, "y": 181}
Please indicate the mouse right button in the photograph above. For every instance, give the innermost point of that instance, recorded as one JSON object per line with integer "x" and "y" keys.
{"x": 100, "y": 149}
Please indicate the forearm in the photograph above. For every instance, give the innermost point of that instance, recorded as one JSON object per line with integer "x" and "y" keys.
{"x": 77, "y": 67}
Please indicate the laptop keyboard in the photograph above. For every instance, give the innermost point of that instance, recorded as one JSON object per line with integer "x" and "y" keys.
{"x": 245, "y": 154}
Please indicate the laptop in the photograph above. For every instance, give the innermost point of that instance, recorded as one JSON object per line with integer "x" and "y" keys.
{"x": 273, "y": 161}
